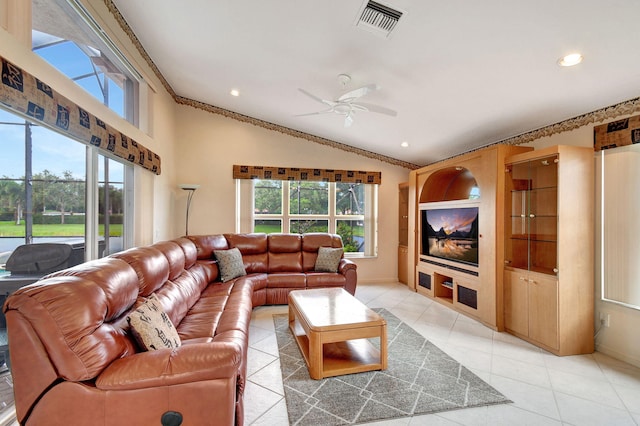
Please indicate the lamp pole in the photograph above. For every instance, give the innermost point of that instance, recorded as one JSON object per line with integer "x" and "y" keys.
{"x": 192, "y": 189}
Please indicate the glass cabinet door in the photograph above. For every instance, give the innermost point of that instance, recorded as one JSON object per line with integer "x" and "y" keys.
{"x": 532, "y": 229}
{"x": 518, "y": 233}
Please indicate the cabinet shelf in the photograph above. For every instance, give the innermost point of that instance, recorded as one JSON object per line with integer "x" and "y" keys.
{"x": 536, "y": 216}
{"x": 530, "y": 190}
{"x": 535, "y": 237}
{"x": 537, "y": 269}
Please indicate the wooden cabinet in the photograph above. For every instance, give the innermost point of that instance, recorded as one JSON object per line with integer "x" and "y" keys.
{"x": 531, "y": 306}
{"x": 403, "y": 233}
{"x": 549, "y": 248}
{"x": 403, "y": 267}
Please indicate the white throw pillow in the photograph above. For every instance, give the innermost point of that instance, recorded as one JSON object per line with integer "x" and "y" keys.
{"x": 151, "y": 326}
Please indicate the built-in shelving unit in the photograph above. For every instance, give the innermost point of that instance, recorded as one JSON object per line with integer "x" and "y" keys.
{"x": 549, "y": 244}
{"x": 457, "y": 267}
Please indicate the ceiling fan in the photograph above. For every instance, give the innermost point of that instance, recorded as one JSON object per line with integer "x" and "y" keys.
{"x": 348, "y": 104}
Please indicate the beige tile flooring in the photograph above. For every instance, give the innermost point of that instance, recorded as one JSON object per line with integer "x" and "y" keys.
{"x": 547, "y": 390}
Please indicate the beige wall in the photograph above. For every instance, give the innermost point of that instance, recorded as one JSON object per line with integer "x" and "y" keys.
{"x": 210, "y": 144}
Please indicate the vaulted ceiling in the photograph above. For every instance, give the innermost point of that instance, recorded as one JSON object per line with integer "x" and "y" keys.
{"x": 459, "y": 74}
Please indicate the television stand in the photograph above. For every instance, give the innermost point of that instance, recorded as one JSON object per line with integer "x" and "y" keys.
{"x": 452, "y": 286}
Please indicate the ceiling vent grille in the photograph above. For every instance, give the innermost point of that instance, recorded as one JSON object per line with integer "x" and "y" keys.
{"x": 378, "y": 18}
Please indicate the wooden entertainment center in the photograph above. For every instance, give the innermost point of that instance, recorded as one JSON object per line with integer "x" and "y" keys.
{"x": 504, "y": 235}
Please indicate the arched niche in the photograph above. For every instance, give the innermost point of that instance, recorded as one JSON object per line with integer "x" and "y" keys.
{"x": 452, "y": 183}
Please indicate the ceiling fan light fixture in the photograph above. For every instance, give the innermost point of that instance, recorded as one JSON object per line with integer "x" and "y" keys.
{"x": 570, "y": 60}
{"x": 344, "y": 79}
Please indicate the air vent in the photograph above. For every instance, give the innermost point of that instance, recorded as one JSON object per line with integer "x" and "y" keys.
{"x": 378, "y": 18}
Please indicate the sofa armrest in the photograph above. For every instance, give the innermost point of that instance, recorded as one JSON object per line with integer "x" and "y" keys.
{"x": 349, "y": 269}
{"x": 345, "y": 265}
{"x": 186, "y": 364}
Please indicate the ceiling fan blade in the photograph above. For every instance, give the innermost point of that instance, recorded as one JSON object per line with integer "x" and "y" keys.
{"x": 316, "y": 98}
{"x": 377, "y": 108}
{"x": 358, "y": 93}
{"x": 326, "y": 111}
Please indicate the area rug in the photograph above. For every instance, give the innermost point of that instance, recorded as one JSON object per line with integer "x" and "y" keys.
{"x": 420, "y": 379}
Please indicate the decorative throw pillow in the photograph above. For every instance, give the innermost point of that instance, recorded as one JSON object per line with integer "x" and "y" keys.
{"x": 328, "y": 259}
{"x": 151, "y": 326}
{"x": 230, "y": 264}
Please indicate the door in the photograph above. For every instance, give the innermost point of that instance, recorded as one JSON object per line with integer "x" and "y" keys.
{"x": 543, "y": 309}
{"x": 516, "y": 305}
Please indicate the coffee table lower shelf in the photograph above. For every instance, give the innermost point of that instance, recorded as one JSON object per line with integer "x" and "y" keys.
{"x": 340, "y": 357}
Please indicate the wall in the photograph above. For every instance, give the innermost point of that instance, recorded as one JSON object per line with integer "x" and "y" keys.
{"x": 620, "y": 339}
{"x": 211, "y": 144}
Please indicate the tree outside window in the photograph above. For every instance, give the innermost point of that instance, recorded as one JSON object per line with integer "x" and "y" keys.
{"x": 302, "y": 207}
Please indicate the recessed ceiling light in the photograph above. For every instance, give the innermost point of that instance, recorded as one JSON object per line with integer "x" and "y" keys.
{"x": 570, "y": 60}
{"x": 404, "y": 144}
{"x": 234, "y": 92}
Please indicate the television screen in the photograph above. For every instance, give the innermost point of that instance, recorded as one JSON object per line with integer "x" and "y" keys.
{"x": 451, "y": 233}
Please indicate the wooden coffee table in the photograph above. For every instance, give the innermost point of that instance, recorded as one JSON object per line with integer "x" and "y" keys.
{"x": 331, "y": 328}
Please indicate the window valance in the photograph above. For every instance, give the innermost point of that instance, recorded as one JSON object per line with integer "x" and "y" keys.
{"x": 25, "y": 94}
{"x": 294, "y": 173}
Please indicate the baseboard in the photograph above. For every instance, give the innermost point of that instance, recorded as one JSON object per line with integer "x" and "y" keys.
{"x": 618, "y": 355}
{"x": 380, "y": 281}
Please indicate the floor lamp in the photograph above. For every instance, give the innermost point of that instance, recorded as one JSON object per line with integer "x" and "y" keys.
{"x": 191, "y": 187}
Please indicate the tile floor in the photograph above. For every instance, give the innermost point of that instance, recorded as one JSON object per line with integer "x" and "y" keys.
{"x": 547, "y": 390}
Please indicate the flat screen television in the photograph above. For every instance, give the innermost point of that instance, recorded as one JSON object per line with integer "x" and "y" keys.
{"x": 451, "y": 234}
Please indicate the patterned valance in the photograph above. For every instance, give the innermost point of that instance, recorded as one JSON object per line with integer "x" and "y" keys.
{"x": 26, "y": 94}
{"x": 617, "y": 133}
{"x": 294, "y": 173}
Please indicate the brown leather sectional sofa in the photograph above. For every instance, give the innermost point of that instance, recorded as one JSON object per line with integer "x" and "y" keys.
{"x": 75, "y": 362}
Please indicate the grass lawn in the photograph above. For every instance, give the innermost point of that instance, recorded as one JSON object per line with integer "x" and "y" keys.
{"x": 10, "y": 229}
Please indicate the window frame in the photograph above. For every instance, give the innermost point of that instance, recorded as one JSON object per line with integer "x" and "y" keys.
{"x": 86, "y": 24}
{"x": 246, "y": 216}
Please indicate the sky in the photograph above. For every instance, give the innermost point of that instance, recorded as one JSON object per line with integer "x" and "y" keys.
{"x": 50, "y": 150}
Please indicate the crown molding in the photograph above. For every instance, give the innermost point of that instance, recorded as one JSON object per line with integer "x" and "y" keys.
{"x": 292, "y": 132}
{"x": 607, "y": 113}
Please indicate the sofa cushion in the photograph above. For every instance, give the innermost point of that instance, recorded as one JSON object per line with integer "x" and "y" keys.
{"x": 254, "y": 249}
{"x": 285, "y": 253}
{"x": 287, "y": 280}
{"x": 150, "y": 264}
{"x": 151, "y": 326}
{"x": 206, "y": 244}
{"x": 311, "y": 242}
{"x": 230, "y": 264}
{"x": 328, "y": 259}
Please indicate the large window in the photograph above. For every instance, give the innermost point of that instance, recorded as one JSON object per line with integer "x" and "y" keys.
{"x": 45, "y": 185}
{"x": 347, "y": 209}
{"x": 65, "y": 36}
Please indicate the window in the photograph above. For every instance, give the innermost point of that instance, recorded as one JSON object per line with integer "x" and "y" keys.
{"x": 70, "y": 42}
{"x": 347, "y": 209}
{"x": 44, "y": 191}
{"x": 111, "y": 205}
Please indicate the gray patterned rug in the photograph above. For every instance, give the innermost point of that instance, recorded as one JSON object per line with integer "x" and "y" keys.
{"x": 420, "y": 379}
